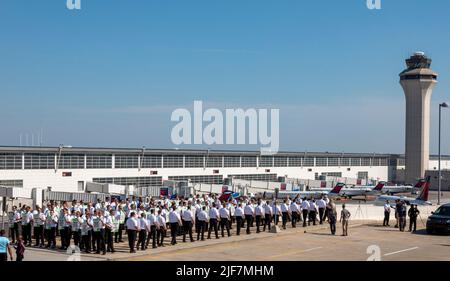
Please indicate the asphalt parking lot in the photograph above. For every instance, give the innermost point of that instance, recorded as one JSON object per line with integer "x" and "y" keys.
{"x": 367, "y": 239}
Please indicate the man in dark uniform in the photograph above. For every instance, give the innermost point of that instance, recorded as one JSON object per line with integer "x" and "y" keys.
{"x": 413, "y": 213}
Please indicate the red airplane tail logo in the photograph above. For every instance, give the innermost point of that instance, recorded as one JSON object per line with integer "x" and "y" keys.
{"x": 337, "y": 188}
{"x": 379, "y": 186}
{"x": 420, "y": 183}
{"x": 426, "y": 187}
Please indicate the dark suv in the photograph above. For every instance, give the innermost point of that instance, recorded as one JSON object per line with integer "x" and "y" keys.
{"x": 439, "y": 221}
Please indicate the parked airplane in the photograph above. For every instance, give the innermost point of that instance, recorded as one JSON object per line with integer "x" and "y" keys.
{"x": 308, "y": 194}
{"x": 422, "y": 199}
{"x": 349, "y": 192}
{"x": 394, "y": 189}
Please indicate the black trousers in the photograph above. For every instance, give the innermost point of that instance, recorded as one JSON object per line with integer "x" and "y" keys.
{"x": 100, "y": 241}
{"x": 51, "y": 240}
{"x": 224, "y": 224}
{"x": 161, "y": 233}
{"x": 248, "y": 219}
{"x": 141, "y": 240}
{"x": 294, "y": 219}
{"x": 76, "y": 237}
{"x": 213, "y": 225}
{"x": 284, "y": 218}
{"x": 131, "y": 239}
{"x": 174, "y": 232}
{"x": 267, "y": 221}
{"x": 258, "y": 224}
{"x": 321, "y": 212}
{"x": 15, "y": 231}
{"x": 312, "y": 217}
{"x": 26, "y": 234}
{"x": 86, "y": 240}
{"x": 118, "y": 234}
{"x": 187, "y": 229}
{"x": 412, "y": 223}
{"x": 152, "y": 236}
{"x": 239, "y": 221}
{"x": 39, "y": 235}
{"x": 109, "y": 240}
{"x": 305, "y": 217}
{"x": 201, "y": 229}
{"x": 386, "y": 218}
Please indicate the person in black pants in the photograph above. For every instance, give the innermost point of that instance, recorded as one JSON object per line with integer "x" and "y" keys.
{"x": 109, "y": 228}
{"x": 132, "y": 227}
{"x": 161, "y": 230}
{"x": 239, "y": 213}
{"x": 99, "y": 232}
{"x": 224, "y": 221}
{"x": 213, "y": 215}
{"x": 175, "y": 222}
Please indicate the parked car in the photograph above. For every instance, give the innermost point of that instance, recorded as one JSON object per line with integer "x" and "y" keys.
{"x": 439, "y": 221}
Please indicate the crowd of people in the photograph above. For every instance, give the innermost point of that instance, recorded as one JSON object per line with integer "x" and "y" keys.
{"x": 95, "y": 227}
{"x": 401, "y": 212}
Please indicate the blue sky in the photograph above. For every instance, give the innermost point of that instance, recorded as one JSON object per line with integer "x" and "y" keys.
{"x": 111, "y": 73}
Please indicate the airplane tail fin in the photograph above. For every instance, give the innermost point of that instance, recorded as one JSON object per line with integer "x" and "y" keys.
{"x": 379, "y": 186}
{"x": 420, "y": 183}
{"x": 337, "y": 188}
{"x": 424, "y": 192}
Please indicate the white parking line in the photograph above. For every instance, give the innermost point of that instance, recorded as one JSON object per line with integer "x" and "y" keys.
{"x": 294, "y": 252}
{"x": 401, "y": 251}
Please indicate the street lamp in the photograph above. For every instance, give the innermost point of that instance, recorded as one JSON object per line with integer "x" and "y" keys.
{"x": 441, "y": 105}
{"x": 61, "y": 146}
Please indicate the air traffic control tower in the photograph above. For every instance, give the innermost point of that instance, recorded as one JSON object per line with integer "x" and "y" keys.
{"x": 418, "y": 81}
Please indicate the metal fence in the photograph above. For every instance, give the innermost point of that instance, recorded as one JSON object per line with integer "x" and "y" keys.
{"x": 69, "y": 196}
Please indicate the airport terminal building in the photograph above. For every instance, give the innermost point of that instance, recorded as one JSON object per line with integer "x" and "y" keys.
{"x": 69, "y": 169}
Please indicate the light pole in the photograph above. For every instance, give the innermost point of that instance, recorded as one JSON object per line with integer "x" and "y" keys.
{"x": 61, "y": 146}
{"x": 441, "y": 105}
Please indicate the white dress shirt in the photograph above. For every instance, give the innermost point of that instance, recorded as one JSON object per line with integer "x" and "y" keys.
{"x": 174, "y": 217}
{"x": 213, "y": 213}
{"x": 239, "y": 212}
{"x": 248, "y": 210}
{"x": 259, "y": 210}
{"x": 224, "y": 213}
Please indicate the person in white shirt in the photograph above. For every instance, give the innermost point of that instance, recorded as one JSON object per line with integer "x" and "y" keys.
{"x": 38, "y": 223}
{"x": 305, "y": 211}
{"x": 86, "y": 231}
{"x": 16, "y": 224}
{"x": 259, "y": 214}
{"x": 132, "y": 225}
{"x": 249, "y": 212}
{"x": 239, "y": 214}
{"x": 188, "y": 221}
{"x": 99, "y": 231}
{"x": 312, "y": 212}
{"x": 161, "y": 228}
{"x": 276, "y": 211}
{"x": 213, "y": 218}
{"x": 267, "y": 216}
{"x": 224, "y": 220}
{"x": 143, "y": 229}
{"x": 202, "y": 218}
{"x": 109, "y": 231}
{"x": 321, "y": 204}
{"x": 387, "y": 213}
{"x": 51, "y": 224}
{"x": 284, "y": 213}
{"x": 27, "y": 221}
{"x": 153, "y": 225}
{"x": 294, "y": 213}
{"x": 175, "y": 222}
